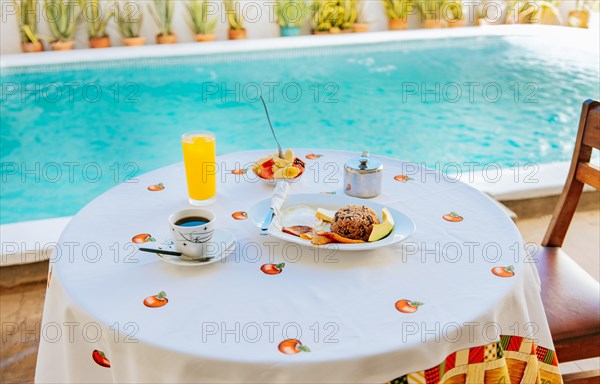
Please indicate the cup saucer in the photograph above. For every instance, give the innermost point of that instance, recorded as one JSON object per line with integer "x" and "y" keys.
{"x": 218, "y": 248}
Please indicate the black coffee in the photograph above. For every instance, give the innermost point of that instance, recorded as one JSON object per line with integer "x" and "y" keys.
{"x": 191, "y": 221}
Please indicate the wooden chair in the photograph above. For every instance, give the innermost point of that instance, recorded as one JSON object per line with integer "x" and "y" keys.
{"x": 570, "y": 295}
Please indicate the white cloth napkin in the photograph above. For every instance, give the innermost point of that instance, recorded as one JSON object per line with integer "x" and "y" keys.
{"x": 279, "y": 195}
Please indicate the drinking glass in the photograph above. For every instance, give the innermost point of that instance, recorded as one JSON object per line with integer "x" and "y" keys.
{"x": 200, "y": 160}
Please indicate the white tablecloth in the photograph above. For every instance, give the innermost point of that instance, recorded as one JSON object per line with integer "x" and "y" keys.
{"x": 223, "y": 322}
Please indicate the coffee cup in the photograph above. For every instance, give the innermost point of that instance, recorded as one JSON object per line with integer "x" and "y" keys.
{"x": 191, "y": 230}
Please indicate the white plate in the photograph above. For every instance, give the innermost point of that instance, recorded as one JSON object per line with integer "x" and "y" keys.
{"x": 403, "y": 225}
{"x": 222, "y": 242}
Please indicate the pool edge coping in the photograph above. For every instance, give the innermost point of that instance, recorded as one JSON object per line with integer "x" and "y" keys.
{"x": 573, "y": 35}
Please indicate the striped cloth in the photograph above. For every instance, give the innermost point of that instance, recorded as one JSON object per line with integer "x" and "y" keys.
{"x": 511, "y": 360}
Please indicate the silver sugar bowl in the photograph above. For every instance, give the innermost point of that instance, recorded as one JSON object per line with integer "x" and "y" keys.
{"x": 363, "y": 176}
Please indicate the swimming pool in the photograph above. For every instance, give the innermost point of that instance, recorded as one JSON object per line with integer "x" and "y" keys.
{"x": 71, "y": 131}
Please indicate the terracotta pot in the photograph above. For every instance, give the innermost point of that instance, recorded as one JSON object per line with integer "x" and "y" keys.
{"x": 457, "y": 23}
{"x": 578, "y": 19}
{"x": 432, "y": 23}
{"x": 166, "y": 39}
{"x": 134, "y": 41}
{"x": 360, "y": 27}
{"x": 397, "y": 24}
{"x": 482, "y": 21}
{"x": 321, "y": 32}
{"x": 32, "y": 47}
{"x": 62, "y": 45}
{"x": 237, "y": 34}
{"x": 101, "y": 42}
{"x": 204, "y": 37}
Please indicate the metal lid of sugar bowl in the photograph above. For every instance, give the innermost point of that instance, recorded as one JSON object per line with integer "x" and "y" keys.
{"x": 364, "y": 164}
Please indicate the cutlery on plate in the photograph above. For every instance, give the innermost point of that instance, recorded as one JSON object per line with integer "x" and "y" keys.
{"x": 279, "y": 195}
{"x": 172, "y": 253}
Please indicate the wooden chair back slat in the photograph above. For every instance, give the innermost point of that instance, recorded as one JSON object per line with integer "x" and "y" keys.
{"x": 580, "y": 173}
{"x": 591, "y": 136}
{"x": 588, "y": 174}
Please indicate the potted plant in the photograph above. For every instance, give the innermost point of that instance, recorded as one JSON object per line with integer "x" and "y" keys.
{"x": 361, "y": 24}
{"x": 96, "y": 18}
{"x": 580, "y": 16}
{"x": 62, "y": 19}
{"x": 456, "y": 12}
{"x": 198, "y": 21}
{"x": 325, "y": 17}
{"x": 431, "y": 13}
{"x": 129, "y": 23}
{"x": 347, "y": 11}
{"x": 533, "y": 12}
{"x": 291, "y": 15}
{"x": 26, "y": 17}
{"x": 483, "y": 17}
{"x": 397, "y": 13}
{"x": 162, "y": 13}
{"x": 236, "y": 22}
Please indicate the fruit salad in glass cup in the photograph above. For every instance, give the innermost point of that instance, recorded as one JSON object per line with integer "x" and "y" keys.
{"x": 272, "y": 169}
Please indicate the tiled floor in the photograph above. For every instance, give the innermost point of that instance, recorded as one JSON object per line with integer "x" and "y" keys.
{"x": 21, "y": 306}
{"x": 20, "y": 318}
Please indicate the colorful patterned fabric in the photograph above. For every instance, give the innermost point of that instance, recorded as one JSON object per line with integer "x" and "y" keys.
{"x": 511, "y": 360}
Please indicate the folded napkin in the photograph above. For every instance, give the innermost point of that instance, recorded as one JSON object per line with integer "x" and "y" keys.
{"x": 279, "y": 195}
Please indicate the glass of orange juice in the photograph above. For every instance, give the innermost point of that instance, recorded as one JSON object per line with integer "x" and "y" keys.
{"x": 200, "y": 160}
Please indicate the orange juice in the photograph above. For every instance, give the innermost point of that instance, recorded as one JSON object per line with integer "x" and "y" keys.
{"x": 200, "y": 160}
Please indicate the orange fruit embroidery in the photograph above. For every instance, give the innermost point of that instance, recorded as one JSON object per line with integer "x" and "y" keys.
{"x": 240, "y": 215}
{"x": 402, "y": 178}
{"x": 272, "y": 269}
{"x": 407, "y": 306}
{"x": 504, "y": 271}
{"x": 291, "y": 347}
{"x": 239, "y": 171}
{"x": 453, "y": 217}
{"x": 100, "y": 358}
{"x": 156, "y": 187}
{"x": 312, "y": 156}
{"x": 142, "y": 238}
{"x": 156, "y": 301}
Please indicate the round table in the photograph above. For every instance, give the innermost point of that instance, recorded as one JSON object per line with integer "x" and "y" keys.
{"x": 225, "y": 322}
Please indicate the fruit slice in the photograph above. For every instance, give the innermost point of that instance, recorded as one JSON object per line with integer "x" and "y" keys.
{"x": 290, "y": 172}
{"x": 289, "y": 155}
{"x": 325, "y": 215}
{"x": 385, "y": 228}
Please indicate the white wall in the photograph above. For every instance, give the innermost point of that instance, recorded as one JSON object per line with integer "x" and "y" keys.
{"x": 260, "y": 22}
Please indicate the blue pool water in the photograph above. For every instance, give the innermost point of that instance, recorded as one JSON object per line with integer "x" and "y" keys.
{"x": 488, "y": 99}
